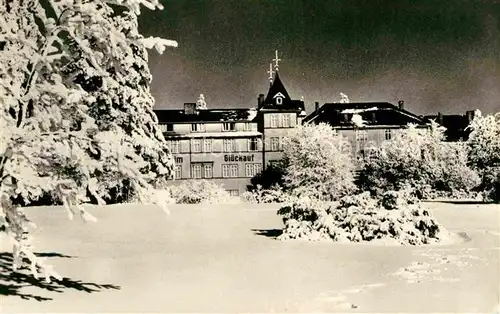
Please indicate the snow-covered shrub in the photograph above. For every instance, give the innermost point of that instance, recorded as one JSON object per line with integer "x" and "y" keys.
{"x": 319, "y": 163}
{"x": 484, "y": 153}
{"x": 420, "y": 159}
{"x": 200, "y": 192}
{"x": 76, "y": 115}
{"x": 257, "y": 195}
{"x": 272, "y": 175}
{"x": 395, "y": 218}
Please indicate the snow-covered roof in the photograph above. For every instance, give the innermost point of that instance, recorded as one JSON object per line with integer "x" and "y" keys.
{"x": 252, "y": 113}
{"x": 206, "y": 115}
{"x": 355, "y": 110}
{"x": 373, "y": 113}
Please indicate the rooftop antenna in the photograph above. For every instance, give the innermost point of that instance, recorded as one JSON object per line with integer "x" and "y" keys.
{"x": 270, "y": 72}
{"x": 276, "y": 61}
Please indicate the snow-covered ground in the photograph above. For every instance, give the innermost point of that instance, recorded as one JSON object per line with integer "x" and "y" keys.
{"x": 225, "y": 259}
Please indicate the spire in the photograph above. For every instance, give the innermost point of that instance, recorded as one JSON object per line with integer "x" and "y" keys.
{"x": 270, "y": 72}
{"x": 276, "y": 61}
{"x": 277, "y": 92}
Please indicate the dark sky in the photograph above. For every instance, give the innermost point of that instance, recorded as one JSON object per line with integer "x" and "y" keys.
{"x": 437, "y": 55}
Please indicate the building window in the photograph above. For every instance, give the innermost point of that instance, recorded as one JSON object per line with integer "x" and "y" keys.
{"x": 252, "y": 169}
{"x": 196, "y": 146}
{"x": 280, "y": 120}
{"x": 247, "y": 126}
{"x": 208, "y": 171}
{"x": 207, "y": 145}
{"x": 229, "y": 145}
{"x": 252, "y": 144}
{"x": 225, "y": 171}
{"x": 230, "y": 171}
{"x": 196, "y": 171}
{"x": 388, "y": 135}
{"x": 234, "y": 171}
{"x": 275, "y": 143}
{"x": 197, "y": 127}
{"x": 174, "y": 146}
{"x": 287, "y": 120}
{"x": 178, "y": 160}
{"x": 249, "y": 170}
{"x": 361, "y": 136}
{"x": 274, "y": 120}
{"x": 170, "y": 127}
{"x": 229, "y": 126}
{"x": 233, "y": 192}
{"x": 279, "y": 100}
{"x": 178, "y": 172}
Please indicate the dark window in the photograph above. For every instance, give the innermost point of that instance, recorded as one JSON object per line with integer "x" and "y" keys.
{"x": 252, "y": 144}
{"x": 229, "y": 126}
{"x": 388, "y": 134}
{"x": 170, "y": 127}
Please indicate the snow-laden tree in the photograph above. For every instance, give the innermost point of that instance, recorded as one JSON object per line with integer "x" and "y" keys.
{"x": 75, "y": 109}
{"x": 319, "y": 162}
{"x": 420, "y": 159}
{"x": 484, "y": 153}
{"x": 344, "y": 99}
{"x": 358, "y": 121}
{"x": 201, "y": 103}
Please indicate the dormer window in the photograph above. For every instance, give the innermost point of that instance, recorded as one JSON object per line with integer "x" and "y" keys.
{"x": 279, "y": 98}
{"x": 229, "y": 126}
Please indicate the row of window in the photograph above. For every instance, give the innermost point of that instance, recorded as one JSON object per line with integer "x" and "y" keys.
{"x": 277, "y": 121}
{"x": 280, "y": 120}
{"x": 230, "y": 145}
{"x": 205, "y": 145}
{"x": 201, "y": 127}
{"x": 200, "y": 170}
{"x": 362, "y": 135}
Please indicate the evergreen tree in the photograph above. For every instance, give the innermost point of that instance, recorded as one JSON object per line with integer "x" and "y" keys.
{"x": 319, "y": 163}
{"x": 75, "y": 109}
{"x": 484, "y": 152}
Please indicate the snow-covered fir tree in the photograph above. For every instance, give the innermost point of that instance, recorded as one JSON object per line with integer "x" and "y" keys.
{"x": 319, "y": 162}
{"x": 75, "y": 109}
{"x": 201, "y": 103}
{"x": 344, "y": 99}
{"x": 484, "y": 152}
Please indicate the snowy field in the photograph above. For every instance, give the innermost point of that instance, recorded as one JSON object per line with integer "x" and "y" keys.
{"x": 225, "y": 259}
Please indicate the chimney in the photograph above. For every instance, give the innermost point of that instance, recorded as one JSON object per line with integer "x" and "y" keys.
{"x": 440, "y": 118}
{"x": 260, "y": 100}
{"x": 401, "y": 104}
{"x": 470, "y": 116}
{"x": 189, "y": 108}
{"x": 316, "y": 107}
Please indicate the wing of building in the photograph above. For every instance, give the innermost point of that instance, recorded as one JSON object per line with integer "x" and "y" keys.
{"x": 230, "y": 146}
{"x": 365, "y": 125}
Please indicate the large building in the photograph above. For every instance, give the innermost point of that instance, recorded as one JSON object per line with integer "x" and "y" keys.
{"x": 230, "y": 146}
{"x": 367, "y": 124}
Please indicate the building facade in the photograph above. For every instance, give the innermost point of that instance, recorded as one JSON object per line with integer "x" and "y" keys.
{"x": 230, "y": 146}
{"x": 365, "y": 125}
